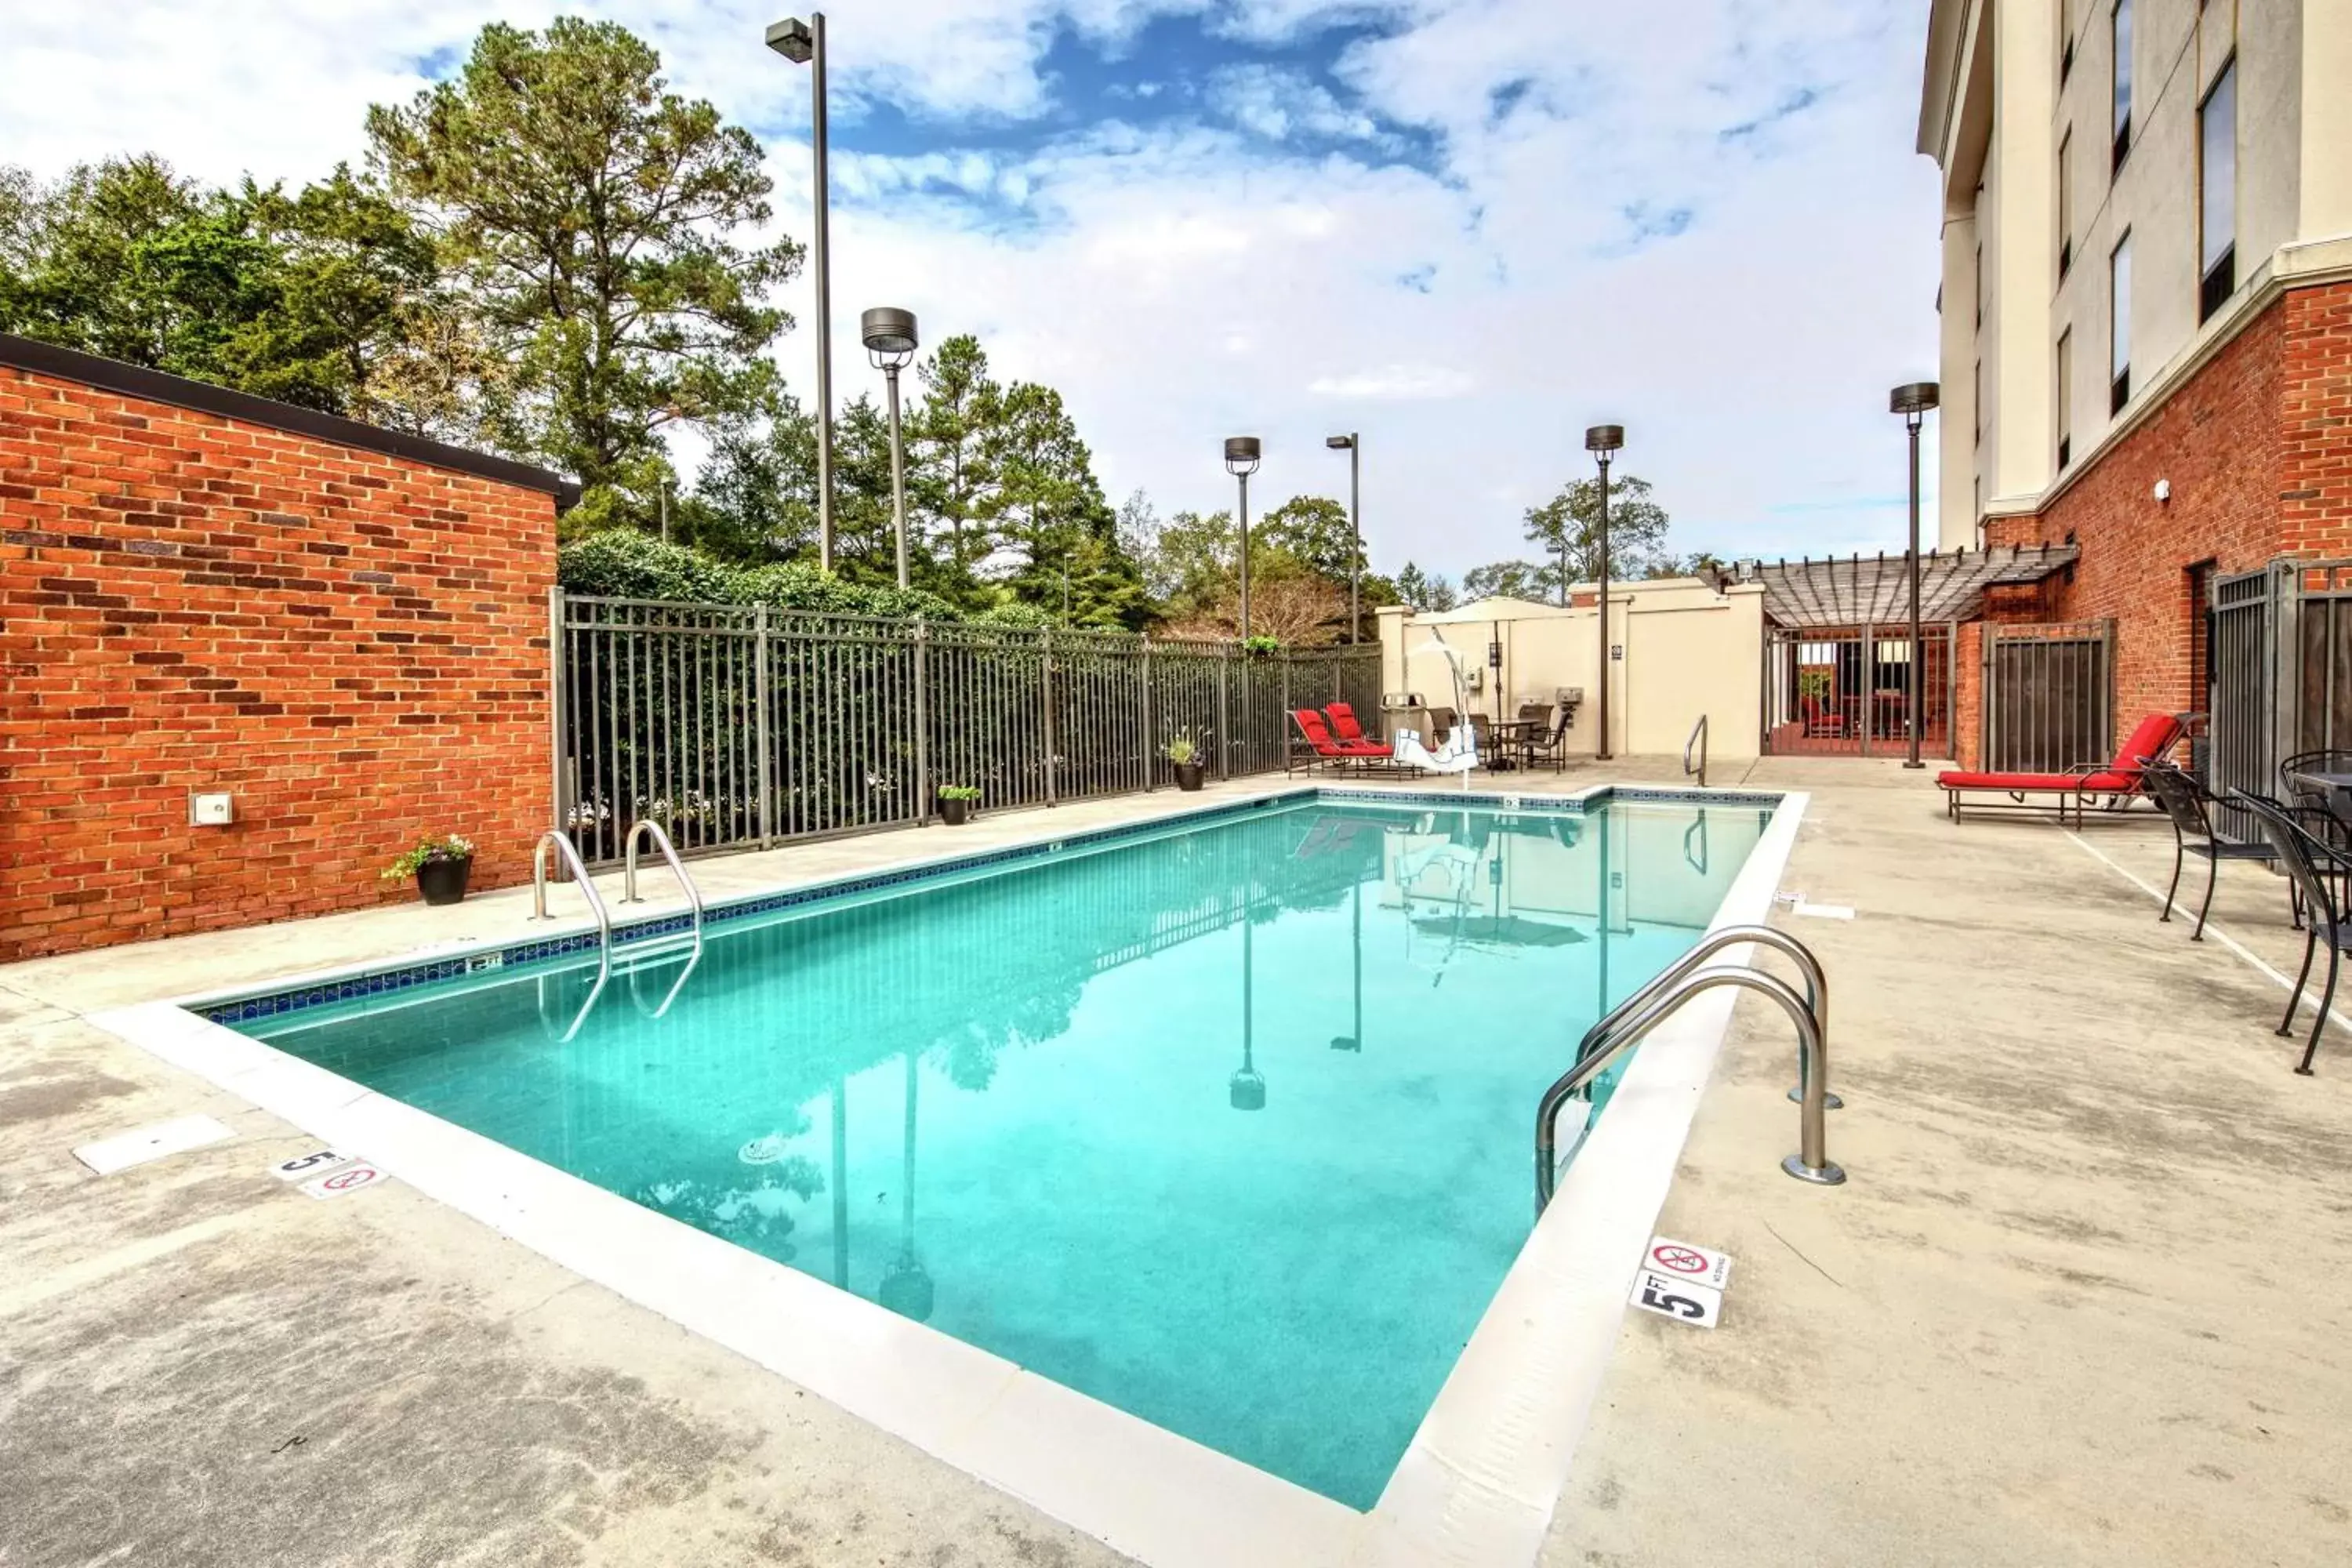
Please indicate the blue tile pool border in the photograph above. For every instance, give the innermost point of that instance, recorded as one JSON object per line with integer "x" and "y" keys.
{"x": 396, "y": 975}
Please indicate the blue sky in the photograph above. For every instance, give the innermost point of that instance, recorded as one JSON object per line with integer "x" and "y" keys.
{"x": 1466, "y": 228}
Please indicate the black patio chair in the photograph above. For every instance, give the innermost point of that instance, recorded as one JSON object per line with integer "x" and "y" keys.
{"x": 2188, "y": 805}
{"x": 2317, "y": 869}
{"x": 1550, "y": 746}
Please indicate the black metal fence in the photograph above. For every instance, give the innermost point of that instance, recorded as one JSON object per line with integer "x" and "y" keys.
{"x": 2279, "y": 671}
{"x": 738, "y": 726}
{"x": 2049, "y": 696}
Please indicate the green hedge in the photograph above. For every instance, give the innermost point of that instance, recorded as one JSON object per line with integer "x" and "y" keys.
{"x": 621, "y": 563}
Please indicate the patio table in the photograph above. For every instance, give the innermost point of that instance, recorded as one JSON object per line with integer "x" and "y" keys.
{"x": 1510, "y": 737}
{"x": 2334, "y": 789}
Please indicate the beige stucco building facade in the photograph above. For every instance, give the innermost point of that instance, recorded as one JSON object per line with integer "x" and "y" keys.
{"x": 1684, "y": 648}
{"x": 2190, "y": 177}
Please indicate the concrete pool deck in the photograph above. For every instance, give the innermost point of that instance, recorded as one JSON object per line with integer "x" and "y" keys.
{"x": 2077, "y": 1304}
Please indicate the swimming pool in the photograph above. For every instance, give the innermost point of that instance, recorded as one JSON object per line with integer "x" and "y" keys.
{"x": 1224, "y": 1124}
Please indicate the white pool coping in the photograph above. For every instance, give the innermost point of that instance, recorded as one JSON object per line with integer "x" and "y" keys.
{"x": 1476, "y": 1486}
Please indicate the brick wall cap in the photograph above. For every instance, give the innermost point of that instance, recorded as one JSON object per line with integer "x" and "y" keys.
{"x": 157, "y": 386}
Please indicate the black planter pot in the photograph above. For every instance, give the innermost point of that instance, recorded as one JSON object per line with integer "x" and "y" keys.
{"x": 444, "y": 882}
{"x": 1189, "y": 775}
{"x": 955, "y": 813}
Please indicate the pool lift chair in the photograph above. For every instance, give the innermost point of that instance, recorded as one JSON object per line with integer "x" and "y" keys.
{"x": 1459, "y": 752}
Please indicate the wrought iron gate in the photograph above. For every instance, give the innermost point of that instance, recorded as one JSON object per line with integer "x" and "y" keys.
{"x": 736, "y": 726}
{"x": 2049, "y": 696}
{"x": 1846, "y": 690}
{"x": 2279, "y": 652}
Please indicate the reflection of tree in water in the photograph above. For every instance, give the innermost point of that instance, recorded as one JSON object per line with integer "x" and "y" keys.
{"x": 745, "y": 1196}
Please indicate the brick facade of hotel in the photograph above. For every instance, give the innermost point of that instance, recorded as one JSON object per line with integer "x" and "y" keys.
{"x": 2255, "y": 448}
{"x": 344, "y": 630}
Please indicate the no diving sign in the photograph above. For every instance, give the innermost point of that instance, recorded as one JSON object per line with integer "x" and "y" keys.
{"x": 350, "y": 1178}
{"x": 1691, "y": 1264}
{"x": 1681, "y": 1281}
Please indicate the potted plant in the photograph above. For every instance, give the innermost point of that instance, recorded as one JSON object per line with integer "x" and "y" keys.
{"x": 1261, "y": 647}
{"x": 439, "y": 865}
{"x": 956, "y": 803}
{"x": 1183, "y": 753}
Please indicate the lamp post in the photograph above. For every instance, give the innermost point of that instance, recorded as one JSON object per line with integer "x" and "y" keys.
{"x": 1353, "y": 446}
{"x": 1912, "y": 401}
{"x": 1603, "y": 441}
{"x": 889, "y": 335}
{"x": 1241, "y": 461}
{"x": 803, "y": 43}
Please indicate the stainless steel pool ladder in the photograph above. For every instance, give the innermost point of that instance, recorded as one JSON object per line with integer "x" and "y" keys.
{"x": 1697, "y": 742}
{"x": 563, "y": 845}
{"x": 648, "y": 828}
{"x": 1645, "y": 1010}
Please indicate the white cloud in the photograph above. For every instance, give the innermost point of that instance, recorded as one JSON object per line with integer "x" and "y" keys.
{"x": 1395, "y": 382}
{"x": 1183, "y": 281}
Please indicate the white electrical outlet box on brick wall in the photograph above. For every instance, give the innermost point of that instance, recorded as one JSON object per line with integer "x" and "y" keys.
{"x": 211, "y": 810}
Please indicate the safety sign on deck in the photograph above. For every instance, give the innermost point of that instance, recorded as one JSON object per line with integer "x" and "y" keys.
{"x": 318, "y": 1162}
{"x": 1697, "y": 1265}
{"x": 1681, "y": 1281}
{"x": 351, "y": 1178}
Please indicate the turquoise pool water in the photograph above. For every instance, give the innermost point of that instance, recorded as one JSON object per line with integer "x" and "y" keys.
{"x": 1230, "y": 1128}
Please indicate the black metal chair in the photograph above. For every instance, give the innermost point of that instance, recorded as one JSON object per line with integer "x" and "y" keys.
{"x": 2317, "y": 868}
{"x": 2187, "y": 804}
{"x": 1551, "y": 746}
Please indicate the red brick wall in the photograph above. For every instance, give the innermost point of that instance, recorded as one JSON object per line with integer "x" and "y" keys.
{"x": 2255, "y": 448}
{"x": 352, "y": 645}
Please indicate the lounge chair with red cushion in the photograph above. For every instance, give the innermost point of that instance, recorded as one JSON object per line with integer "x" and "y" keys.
{"x": 2152, "y": 739}
{"x": 1336, "y": 754}
{"x": 1344, "y": 726}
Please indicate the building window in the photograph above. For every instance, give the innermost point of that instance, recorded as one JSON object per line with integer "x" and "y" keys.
{"x": 2065, "y": 399}
{"x": 2120, "y": 326}
{"x": 2066, "y": 202}
{"x": 1980, "y": 283}
{"x": 2122, "y": 29}
{"x": 2217, "y": 195}
{"x": 1976, "y": 402}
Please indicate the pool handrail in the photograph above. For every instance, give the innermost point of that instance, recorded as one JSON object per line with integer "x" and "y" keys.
{"x": 1627, "y": 1023}
{"x": 647, "y": 826}
{"x": 571, "y": 855}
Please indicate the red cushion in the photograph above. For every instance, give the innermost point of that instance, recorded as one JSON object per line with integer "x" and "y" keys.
{"x": 2155, "y": 735}
{"x": 1343, "y": 721}
{"x": 2108, "y": 782}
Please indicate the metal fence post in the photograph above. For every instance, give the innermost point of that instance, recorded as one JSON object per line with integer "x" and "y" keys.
{"x": 767, "y": 774}
{"x": 1225, "y": 711}
{"x": 1150, "y": 747}
{"x": 1285, "y": 707}
{"x": 555, "y": 680}
{"x": 922, "y": 722}
{"x": 1046, "y": 693}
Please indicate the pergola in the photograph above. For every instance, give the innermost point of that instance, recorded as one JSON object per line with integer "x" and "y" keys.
{"x": 1874, "y": 590}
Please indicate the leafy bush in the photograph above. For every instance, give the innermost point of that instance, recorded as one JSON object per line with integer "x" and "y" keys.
{"x": 623, "y": 563}
{"x": 959, "y": 792}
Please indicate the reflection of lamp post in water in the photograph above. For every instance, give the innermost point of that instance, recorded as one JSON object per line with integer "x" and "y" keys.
{"x": 1246, "y": 1088}
{"x": 840, "y": 1183}
{"x": 1355, "y": 1042}
{"x": 907, "y": 1286}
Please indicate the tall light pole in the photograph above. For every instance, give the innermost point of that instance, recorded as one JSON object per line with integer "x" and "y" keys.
{"x": 1913, "y": 401}
{"x": 889, "y": 335}
{"x": 1241, "y": 461}
{"x": 1353, "y": 445}
{"x": 1603, "y": 441}
{"x": 803, "y": 43}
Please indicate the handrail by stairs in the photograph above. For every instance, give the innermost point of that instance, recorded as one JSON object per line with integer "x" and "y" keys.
{"x": 1697, "y": 739}
{"x": 647, "y": 827}
{"x": 1638, "y": 1014}
{"x": 570, "y": 856}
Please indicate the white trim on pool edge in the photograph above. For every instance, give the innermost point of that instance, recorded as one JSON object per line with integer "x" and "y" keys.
{"x": 1476, "y": 1486}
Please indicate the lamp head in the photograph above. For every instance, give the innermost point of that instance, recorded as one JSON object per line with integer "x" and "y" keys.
{"x": 1914, "y": 398}
{"x": 889, "y": 336}
{"x": 1241, "y": 454}
{"x": 790, "y": 38}
{"x": 1339, "y": 443}
{"x": 1604, "y": 439}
